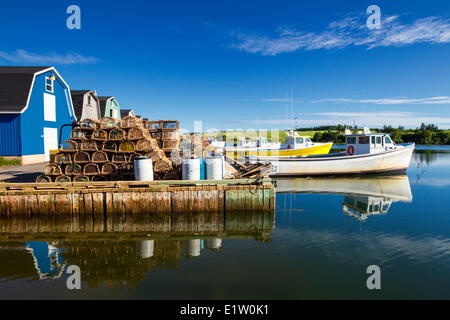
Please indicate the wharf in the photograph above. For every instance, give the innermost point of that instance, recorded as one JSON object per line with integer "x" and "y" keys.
{"x": 135, "y": 197}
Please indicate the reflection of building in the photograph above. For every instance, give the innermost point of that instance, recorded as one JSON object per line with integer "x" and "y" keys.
{"x": 47, "y": 259}
{"x": 361, "y": 207}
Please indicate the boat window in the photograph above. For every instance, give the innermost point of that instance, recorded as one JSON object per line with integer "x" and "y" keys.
{"x": 364, "y": 140}
{"x": 373, "y": 139}
{"x": 298, "y": 140}
{"x": 351, "y": 140}
{"x": 387, "y": 140}
{"x": 307, "y": 140}
{"x": 378, "y": 140}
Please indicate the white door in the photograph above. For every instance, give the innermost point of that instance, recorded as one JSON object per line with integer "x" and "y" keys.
{"x": 50, "y": 141}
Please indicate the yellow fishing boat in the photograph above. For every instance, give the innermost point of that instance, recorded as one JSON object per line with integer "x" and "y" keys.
{"x": 295, "y": 145}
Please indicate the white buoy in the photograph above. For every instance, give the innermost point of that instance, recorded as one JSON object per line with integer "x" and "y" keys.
{"x": 214, "y": 168}
{"x": 192, "y": 248}
{"x": 144, "y": 248}
{"x": 191, "y": 169}
{"x": 143, "y": 169}
{"x": 214, "y": 243}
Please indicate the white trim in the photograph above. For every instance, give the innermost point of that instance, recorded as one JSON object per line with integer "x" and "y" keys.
{"x": 49, "y": 78}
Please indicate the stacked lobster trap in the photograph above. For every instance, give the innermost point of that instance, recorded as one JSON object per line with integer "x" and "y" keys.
{"x": 105, "y": 151}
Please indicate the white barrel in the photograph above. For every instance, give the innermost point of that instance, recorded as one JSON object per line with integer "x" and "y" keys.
{"x": 144, "y": 248}
{"x": 192, "y": 248}
{"x": 143, "y": 169}
{"x": 214, "y": 168}
{"x": 191, "y": 169}
{"x": 214, "y": 243}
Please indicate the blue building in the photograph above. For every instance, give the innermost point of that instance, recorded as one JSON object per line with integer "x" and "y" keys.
{"x": 34, "y": 103}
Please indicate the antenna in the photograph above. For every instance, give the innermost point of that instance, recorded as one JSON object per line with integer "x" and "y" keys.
{"x": 286, "y": 117}
{"x": 292, "y": 104}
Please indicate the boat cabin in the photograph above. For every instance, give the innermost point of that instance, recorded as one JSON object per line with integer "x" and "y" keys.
{"x": 368, "y": 143}
{"x": 297, "y": 142}
{"x": 360, "y": 207}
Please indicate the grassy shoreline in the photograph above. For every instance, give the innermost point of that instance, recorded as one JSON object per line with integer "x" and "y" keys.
{"x": 8, "y": 162}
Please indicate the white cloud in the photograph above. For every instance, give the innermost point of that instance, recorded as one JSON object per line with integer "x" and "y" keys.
{"x": 403, "y": 100}
{"x": 24, "y": 57}
{"x": 350, "y": 31}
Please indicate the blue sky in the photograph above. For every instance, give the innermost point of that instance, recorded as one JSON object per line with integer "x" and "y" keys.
{"x": 232, "y": 64}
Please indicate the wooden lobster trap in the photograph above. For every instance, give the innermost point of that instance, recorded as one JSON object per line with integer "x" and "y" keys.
{"x": 88, "y": 145}
{"x": 163, "y": 165}
{"x": 155, "y": 155}
{"x": 131, "y": 122}
{"x": 117, "y": 134}
{"x": 169, "y": 144}
{"x": 69, "y": 146}
{"x": 137, "y": 133}
{"x": 43, "y": 179}
{"x": 91, "y": 169}
{"x": 81, "y": 157}
{"x": 126, "y": 147}
{"x": 73, "y": 169}
{"x": 62, "y": 178}
{"x": 109, "y": 168}
{"x": 119, "y": 158}
{"x": 100, "y": 135}
{"x": 80, "y": 179}
{"x": 88, "y": 124}
{"x": 52, "y": 169}
{"x": 173, "y": 134}
{"x": 156, "y": 134}
{"x": 110, "y": 146}
{"x": 125, "y": 169}
{"x": 170, "y": 124}
{"x": 109, "y": 123}
{"x": 154, "y": 125}
{"x": 144, "y": 145}
{"x": 63, "y": 158}
{"x": 78, "y": 134}
{"x": 99, "y": 157}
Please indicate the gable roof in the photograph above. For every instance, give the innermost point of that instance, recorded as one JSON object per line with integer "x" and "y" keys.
{"x": 103, "y": 104}
{"x": 125, "y": 112}
{"x": 15, "y": 87}
{"x": 77, "y": 100}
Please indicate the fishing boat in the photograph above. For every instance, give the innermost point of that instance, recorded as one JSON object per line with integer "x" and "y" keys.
{"x": 295, "y": 145}
{"x": 364, "y": 196}
{"x": 365, "y": 152}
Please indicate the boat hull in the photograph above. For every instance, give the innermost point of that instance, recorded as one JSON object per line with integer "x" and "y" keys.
{"x": 388, "y": 161}
{"x": 317, "y": 149}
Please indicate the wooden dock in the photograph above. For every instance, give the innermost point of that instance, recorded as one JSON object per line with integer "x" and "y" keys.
{"x": 135, "y": 197}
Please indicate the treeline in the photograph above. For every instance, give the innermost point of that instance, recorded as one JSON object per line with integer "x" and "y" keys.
{"x": 425, "y": 134}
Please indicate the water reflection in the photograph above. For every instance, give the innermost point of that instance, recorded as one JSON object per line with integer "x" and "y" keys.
{"x": 125, "y": 257}
{"x": 363, "y": 196}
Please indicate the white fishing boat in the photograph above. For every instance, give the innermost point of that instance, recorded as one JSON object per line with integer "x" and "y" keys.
{"x": 366, "y": 152}
{"x": 364, "y": 196}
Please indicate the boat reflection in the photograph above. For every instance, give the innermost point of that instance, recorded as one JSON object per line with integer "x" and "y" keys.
{"x": 363, "y": 196}
{"x": 122, "y": 257}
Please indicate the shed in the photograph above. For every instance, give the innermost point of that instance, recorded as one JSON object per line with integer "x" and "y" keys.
{"x": 34, "y": 103}
{"x": 109, "y": 107}
{"x": 126, "y": 112}
{"x": 86, "y": 104}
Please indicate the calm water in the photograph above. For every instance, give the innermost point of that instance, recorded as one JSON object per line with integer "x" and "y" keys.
{"x": 324, "y": 235}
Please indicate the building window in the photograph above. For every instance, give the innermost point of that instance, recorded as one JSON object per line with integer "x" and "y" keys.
{"x": 48, "y": 84}
{"x": 89, "y": 99}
